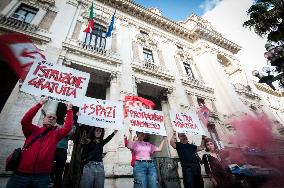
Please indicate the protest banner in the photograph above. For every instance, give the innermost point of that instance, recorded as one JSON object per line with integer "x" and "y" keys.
{"x": 147, "y": 121}
{"x": 56, "y": 81}
{"x": 101, "y": 113}
{"x": 186, "y": 123}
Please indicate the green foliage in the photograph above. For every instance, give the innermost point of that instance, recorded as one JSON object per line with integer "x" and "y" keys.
{"x": 266, "y": 18}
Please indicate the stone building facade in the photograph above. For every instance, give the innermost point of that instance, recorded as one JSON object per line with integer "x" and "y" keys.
{"x": 179, "y": 66}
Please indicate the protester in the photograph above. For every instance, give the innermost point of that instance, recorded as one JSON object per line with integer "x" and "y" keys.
{"x": 36, "y": 161}
{"x": 213, "y": 164}
{"x": 93, "y": 172}
{"x": 189, "y": 161}
{"x": 144, "y": 171}
{"x": 60, "y": 159}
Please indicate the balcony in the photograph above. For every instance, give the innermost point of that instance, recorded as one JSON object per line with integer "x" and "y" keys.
{"x": 246, "y": 91}
{"x": 148, "y": 67}
{"x": 194, "y": 83}
{"x": 11, "y": 24}
{"x": 82, "y": 49}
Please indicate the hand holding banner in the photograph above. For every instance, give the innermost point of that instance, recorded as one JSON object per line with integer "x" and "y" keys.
{"x": 147, "y": 121}
{"x": 101, "y": 113}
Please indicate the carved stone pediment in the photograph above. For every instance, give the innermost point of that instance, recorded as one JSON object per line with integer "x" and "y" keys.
{"x": 184, "y": 55}
{"x": 202, "y": 22}
{"x": 147, "y": 41}
{"x": 100, "y": 17}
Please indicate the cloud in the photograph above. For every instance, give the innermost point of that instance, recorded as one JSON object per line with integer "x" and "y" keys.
{"x": 208, "y": 5}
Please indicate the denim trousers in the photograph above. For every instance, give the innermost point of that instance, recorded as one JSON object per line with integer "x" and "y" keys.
{"x": 93, "y": 175}
{"x": 192, "y": 176}
{"x": 145, "y": 175}
{"x": 25, "y": 180}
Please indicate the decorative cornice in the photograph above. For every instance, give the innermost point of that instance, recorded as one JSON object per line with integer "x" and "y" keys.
{"x": 140, "y": 12}
{"x": 267, "y": 89}
{"x": 166, "y": 24}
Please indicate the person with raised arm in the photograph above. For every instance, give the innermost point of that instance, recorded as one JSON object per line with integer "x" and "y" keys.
{"x": 93, "y": 172}
{"x": 36, "y": 160}
{"x": 191, "y": 169}
{"x": 144, "y": 171}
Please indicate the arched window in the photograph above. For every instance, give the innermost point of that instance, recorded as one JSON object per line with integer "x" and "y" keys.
{"x": 97, "y": 37}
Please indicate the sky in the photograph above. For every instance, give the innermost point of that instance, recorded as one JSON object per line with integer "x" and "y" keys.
{"x": 178, "y": 10}
{"x": 227, "y": 16}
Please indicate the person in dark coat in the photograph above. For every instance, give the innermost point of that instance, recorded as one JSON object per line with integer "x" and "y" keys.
{"x": 214, "y": 166}
{"x": 191, "y": 169}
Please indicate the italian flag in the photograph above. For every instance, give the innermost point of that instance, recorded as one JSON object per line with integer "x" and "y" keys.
{"x": 91, "y": 21}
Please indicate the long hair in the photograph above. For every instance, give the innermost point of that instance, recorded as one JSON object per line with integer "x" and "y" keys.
{"x": 92, "y": 134}
{"x": 210, "y": 140}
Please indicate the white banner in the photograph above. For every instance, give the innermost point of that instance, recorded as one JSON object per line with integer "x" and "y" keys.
{"x": 58, "y": 82}
{"x": 147, "y": 121}
{"x": 186, "y": 123}
{"x": 101, "y": 113}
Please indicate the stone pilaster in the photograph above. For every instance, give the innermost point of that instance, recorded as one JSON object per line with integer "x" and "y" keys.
{"x": 74, "y": 21}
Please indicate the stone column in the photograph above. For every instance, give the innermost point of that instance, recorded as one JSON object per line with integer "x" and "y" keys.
{"x": 114, "y": 42}
{"x": 38, "y": 17}
{"x": 168, "y": 150}
{"x": 227, "y": 100}
{"x": 135, "y": 51}
{"x": 161, "y": 59}
{"x": 74, "y": 20}
{"x": 178, "y": 64}
{"x": 10, "y": 8}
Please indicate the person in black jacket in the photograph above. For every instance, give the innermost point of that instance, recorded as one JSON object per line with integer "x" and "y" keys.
{"x": 93, "y": 172}
{"x": 191, "y": 169}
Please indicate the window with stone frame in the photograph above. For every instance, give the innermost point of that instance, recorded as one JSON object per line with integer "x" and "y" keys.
{"x": 148, "y": 55}
{"x": 97, "y": 37}
{"x": 25, "y": 13}
{"x": 200, "y": 101}
{"x": 188, "y": 70}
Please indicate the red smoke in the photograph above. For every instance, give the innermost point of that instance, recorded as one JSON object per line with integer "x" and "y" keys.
{"x": 252, "y": 132}
{"x": 254, "y": 145}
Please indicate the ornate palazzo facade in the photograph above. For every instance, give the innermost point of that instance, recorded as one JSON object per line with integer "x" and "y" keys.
{"x": 179, "y": 66}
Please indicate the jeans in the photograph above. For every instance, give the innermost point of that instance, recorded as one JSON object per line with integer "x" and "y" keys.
{"x": 192, "y": 176}
{"x": 93, "y": 175}
{"x": 25, "y": 180}
{"x": 58, "y": 166}
{"x": 145, "y": 175}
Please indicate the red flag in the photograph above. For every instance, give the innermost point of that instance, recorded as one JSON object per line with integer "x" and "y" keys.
{"x": 19, "y": 52}
{"x": 203, "y": 114}
{"x": 136, "y": 101}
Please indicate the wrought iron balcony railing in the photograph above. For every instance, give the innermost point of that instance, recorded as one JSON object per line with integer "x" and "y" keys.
{"x": 80, "y": 47}
{"x": 14, "y": 25}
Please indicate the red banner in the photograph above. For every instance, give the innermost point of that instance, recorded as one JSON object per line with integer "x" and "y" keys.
{"x": 19, "y": 52}
{"x": 203, "y": 114}
{"x": 135, "y": 101}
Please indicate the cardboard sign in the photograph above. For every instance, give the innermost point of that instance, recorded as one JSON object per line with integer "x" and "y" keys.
{"x": 59, "y": 82}
{"x": 186, "y": 123}
{"x": 147, "y": 121}
{"x": 101, "y": 113}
